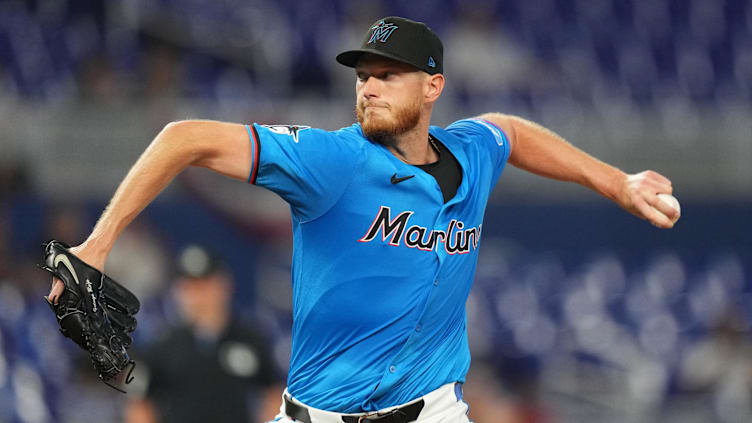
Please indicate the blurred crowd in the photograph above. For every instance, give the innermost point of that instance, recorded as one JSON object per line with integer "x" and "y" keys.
{"x": 566, "y": 322}
{"x": 525, "y": 51}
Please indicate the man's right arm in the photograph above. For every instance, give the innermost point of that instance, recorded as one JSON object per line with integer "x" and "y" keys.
{"x": 219, "y": 146}
{"x": 541, "y": 151}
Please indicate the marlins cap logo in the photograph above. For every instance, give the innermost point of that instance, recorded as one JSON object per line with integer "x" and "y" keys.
{"x": 381, "y": 32}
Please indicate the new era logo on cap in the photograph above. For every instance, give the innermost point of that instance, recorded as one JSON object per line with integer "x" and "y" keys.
{"x": 381, "y": 32}
{"x": 431, "y": 63}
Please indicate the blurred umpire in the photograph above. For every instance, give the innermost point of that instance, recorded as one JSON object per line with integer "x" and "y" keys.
{"x": 211, "y": 367}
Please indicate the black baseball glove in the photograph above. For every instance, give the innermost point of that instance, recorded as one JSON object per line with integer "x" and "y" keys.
{"x": 94, "y": 311}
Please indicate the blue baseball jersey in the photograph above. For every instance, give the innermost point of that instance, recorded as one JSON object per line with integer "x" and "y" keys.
{"x": 381, "y": 271}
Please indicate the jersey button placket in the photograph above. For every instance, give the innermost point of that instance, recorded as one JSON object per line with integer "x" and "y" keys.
{"x": 392, "y": 369}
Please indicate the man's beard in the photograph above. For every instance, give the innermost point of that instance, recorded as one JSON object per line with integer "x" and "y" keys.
{"x": 384, "y": 130}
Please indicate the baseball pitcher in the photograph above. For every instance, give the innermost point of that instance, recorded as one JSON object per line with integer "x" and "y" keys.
{"x": 387, "y": 219}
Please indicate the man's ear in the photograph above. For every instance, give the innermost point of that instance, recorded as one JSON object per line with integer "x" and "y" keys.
{"x": 433, "y": 87}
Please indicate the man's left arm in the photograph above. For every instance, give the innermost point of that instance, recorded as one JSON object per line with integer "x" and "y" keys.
{"x": 541, "y": 151}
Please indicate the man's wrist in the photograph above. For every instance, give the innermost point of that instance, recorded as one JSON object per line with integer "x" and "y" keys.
{"x": 609, "y": 182}
{"x": 97, "y": 246}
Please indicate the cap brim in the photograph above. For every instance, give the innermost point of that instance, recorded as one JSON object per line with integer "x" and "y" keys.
{"x": 350, "y": 58}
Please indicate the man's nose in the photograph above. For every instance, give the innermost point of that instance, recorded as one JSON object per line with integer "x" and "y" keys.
{"x": 371, "y": 87}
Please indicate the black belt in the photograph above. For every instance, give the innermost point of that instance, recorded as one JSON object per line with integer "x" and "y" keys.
{"x": 406, "y": 414}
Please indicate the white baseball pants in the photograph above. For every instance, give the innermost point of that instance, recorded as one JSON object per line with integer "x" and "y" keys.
{"x": 444, "y": 405}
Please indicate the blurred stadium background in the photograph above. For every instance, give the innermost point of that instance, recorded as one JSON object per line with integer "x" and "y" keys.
{"x": 580, "y": 312}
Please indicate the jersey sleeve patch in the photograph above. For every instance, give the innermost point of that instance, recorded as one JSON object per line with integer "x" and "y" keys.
{"x": 498, "y": 133}
{"x": 308, "y": 167}
{"x": 291, "y": 130}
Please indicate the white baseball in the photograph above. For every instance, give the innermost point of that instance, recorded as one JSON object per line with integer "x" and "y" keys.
{"x": 671, "y": 201}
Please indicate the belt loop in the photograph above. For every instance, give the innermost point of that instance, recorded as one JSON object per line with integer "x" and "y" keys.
{"x": 458, "y": 390}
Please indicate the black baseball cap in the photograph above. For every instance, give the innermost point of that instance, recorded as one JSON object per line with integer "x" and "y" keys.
{"x": 403, "y": 40}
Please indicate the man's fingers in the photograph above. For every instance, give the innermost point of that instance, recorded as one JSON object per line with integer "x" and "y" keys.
{"x": 658, "y": 187}
{"x": 642, "y": 198}
{"x": 662, "y": 206}
{"x": 651, "y": 181}
{"x": 56, "y": 291}
{"x": 653, "y": 175}
{"x": 654, "y": 216}
{"x": 666, "y": 209}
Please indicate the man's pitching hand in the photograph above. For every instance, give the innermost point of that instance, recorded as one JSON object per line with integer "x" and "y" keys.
{"x": 640, "y": 197}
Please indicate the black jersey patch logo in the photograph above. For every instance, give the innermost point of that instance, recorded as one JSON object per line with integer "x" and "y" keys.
{"x": 291, "y": 130}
